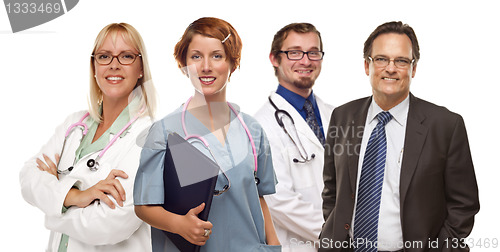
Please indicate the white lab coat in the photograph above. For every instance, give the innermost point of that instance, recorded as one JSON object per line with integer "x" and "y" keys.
{"x": 296, "y": 207}
{"x": 96, "y": 227}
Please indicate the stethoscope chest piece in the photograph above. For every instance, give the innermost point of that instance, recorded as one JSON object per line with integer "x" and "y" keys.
{"x": 92, "y": 164}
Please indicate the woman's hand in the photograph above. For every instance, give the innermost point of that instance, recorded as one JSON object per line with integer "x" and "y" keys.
{"x": 99, "y": 191}
{"x": 48, "y": 165}
{"x": 192, "y": 228}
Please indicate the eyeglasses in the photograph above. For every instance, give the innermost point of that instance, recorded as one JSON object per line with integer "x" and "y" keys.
{"x": 380, "y": 61}
{"x": 298, "y": 55}
{"x": 124, "y": 58}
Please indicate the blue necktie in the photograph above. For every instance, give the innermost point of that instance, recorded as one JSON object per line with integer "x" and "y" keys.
{"x": 313, "y": 122}
{"x": 370, "y": 187}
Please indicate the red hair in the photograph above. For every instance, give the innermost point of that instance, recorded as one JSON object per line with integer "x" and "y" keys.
{"x": 213, "y": 28}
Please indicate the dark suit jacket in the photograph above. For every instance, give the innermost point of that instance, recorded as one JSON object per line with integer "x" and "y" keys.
{"x": 438, "y": 189}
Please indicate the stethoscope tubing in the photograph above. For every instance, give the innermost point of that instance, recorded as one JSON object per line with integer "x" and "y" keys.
{"x": 205, "y": 142}
{"x": 305, "y": 158}
{"x": 93, "y": 164}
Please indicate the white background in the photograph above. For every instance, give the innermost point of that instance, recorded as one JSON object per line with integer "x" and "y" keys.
{"x": 45, "y": 75}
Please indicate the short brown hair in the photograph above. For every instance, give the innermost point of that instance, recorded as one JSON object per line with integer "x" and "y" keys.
{"x": 282, "y": 34}
{"x": 213, "y": 28}
{"x": 392, "y": 27}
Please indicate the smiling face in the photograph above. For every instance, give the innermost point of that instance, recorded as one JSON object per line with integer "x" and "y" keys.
{"x": 207, "y": 65}
{"x": 298, "y": 76}
{"x": 390, "y": 84}
{"x": 115, "y": 80}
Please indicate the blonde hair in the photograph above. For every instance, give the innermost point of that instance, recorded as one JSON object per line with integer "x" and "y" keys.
{"x": 131, "y": 36}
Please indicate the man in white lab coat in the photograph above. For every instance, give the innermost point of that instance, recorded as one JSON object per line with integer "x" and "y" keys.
{"x": 293, "y": 120}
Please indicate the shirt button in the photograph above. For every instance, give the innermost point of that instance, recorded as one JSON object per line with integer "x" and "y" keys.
{"x": 346, "y": 226}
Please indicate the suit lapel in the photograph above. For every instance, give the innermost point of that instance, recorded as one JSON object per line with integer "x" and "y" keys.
{"x": 357, "y": 124}
{"x": 416, "y": 134}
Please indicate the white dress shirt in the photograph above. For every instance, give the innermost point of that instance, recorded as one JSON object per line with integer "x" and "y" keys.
{"x": 390, "y": 234}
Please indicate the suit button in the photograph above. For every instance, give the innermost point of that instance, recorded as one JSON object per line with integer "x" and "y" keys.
{"x": 346, "y": 226}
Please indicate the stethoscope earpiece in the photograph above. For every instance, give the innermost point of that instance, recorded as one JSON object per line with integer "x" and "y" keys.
{"x": 257, "y": 181}
{"x": 65, "y": 172}
{"x": 295, "y": 160}
{"x": 224, "y": 189}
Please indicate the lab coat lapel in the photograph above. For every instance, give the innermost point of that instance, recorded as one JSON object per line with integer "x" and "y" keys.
{"x": 357, "y": 124}
{"x": 416, "y": 134}
{"x": 303, "y": 129}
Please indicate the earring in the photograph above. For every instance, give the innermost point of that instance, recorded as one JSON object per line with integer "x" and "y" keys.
{"x": 140, "y": 75}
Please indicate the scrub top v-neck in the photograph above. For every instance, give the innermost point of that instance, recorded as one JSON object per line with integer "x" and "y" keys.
{"x": 236, "y": 215}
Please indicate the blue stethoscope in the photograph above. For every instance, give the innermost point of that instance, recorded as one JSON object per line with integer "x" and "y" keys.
{"x": 303, "y": 154}
{"x": 92, "y": 163}
{"x": 205, "y": 143}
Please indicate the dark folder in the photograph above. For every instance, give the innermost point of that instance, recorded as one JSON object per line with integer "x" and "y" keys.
{"x": 189, "y": 180}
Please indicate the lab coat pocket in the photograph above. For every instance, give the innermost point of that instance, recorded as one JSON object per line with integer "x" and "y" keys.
{"x": 265, "y": 247}
{"x": 302, "y": 175}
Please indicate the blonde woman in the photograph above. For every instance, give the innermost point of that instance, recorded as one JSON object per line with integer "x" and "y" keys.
{"x": 82, "y": 179}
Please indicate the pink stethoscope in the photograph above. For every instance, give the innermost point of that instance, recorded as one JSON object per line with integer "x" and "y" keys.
{"x": 205, "y": 143}
{"x": 92, "y": 164}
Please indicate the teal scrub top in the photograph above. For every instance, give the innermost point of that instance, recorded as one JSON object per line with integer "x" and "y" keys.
{"x": 236, "y": 215}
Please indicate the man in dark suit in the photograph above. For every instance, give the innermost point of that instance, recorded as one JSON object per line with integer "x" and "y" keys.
{"x": 398, "y": 170}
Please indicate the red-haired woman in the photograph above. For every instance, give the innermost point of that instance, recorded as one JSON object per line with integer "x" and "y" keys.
{"x": 208, "y": 53}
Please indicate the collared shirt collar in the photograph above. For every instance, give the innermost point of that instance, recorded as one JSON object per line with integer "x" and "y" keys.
{"x": 294, "y": 99}
{"x": 399, "y": 112}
